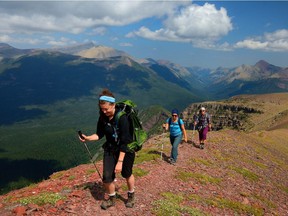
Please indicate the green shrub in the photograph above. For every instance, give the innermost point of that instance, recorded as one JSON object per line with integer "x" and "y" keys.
{"x": 246, "y": 173}
{"x": 41, "y": 199}
{"x": 203, "y": 178}
{"x": 172, "y": 205}
{"x": 235, "y": 206}
{"x": 146, "y": 155}
{"x": 138, "y": 172}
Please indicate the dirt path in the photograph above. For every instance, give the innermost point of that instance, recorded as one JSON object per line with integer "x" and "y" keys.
{"x": 235, "y": 174}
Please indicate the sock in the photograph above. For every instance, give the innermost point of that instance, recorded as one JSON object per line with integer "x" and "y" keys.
{"x": 131, "y": 191}
{"x": 113, "y": 194}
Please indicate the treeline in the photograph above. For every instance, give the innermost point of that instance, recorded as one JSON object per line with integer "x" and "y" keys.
{"x": 30, "y": 156}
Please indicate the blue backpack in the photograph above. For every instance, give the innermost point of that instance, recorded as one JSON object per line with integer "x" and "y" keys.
{"x": 179, "y": 123}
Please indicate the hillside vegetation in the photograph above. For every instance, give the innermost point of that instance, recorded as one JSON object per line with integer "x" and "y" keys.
{"x": 244, "y": 112}
{"x": 32, "y": 150}
{"x": 238, "y": 173}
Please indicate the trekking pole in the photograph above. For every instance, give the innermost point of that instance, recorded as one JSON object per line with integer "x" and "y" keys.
{"x": 164, "y": 130}
{"x": 162, "y": 147}
{"x": 80, "y": 134}
{"x": 193, "y": 133}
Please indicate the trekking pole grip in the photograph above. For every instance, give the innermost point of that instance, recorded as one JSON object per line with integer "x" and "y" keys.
{"x": 80, "y": 135}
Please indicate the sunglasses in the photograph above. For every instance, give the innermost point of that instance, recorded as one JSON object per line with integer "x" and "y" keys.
{"x": 174, "y": 115}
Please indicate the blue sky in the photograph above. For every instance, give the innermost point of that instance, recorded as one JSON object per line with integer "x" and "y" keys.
{"x": 191, "y": 33}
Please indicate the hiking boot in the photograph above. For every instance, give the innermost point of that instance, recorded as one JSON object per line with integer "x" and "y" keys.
{"x": 173, "y": 162}
{"x": 201, "y": 146}
{"x": 131, "y": 200}
{"x": 108, "y": 203}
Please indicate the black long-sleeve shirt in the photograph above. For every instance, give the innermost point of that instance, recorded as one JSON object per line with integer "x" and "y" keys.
{"x": 123, "y": 134}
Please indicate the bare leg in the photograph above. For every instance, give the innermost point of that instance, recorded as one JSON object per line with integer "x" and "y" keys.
{"x": 130, "y": 183}
{"x": 131, "y": 199}
{"x": 110, "y": 188}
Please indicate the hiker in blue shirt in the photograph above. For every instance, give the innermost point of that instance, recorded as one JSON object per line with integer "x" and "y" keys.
{"x": 177, "y": 130}
{"x": 203, "y": 124}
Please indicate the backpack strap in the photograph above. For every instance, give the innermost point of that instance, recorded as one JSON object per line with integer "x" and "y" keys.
{"x": 169, "y": 121}
{"x": 179, "y": 123}
{"x": 115, "y": 126}
{"x": 117, "y": 117}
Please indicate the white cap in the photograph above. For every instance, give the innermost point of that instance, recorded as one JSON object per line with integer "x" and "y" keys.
{"x": 202, "y": 108}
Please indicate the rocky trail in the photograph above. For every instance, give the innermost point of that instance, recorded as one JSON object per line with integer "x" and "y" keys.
{"x": 236, "y": 174}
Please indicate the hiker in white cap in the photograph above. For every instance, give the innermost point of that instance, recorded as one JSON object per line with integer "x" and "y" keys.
{"x": 203, "y": 124}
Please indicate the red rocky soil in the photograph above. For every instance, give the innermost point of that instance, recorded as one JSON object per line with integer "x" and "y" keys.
{"x": 219, "y": 185}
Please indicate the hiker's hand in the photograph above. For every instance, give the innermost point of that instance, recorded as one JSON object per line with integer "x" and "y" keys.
{"x": 118, "y": 167}
{"x": 83, "y": 136}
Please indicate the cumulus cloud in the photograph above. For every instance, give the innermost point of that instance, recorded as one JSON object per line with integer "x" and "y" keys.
{"x": 10, "y": 39}
{"x": 63, "y": 41}
{"x": 26, "y": 18}
{"x": 76, "y": 16}
{"x": 199, "y": 25}
{"x": 126, "y": 44}
{"x": 98, "y": 31}
{"x": 182, "y": 21}
{"x": 275, "y": 41}
{"x": 5, "y": 38}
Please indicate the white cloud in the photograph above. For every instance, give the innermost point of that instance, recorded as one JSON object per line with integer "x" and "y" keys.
{"x": 183, "y": 21}
{"x": 126, "y": 44}
{"x": 98, "y": 31}
{"x": 251, "y": 44}
{"x": 61, "y": 42}
{"x": 275, "y": 41}
{"x": 22, "y": 19}
{"x": 200, "y": 25}
{"x": 76, "y": 16}
{"x": 5, "y": 38}
{"x": 25, "y": 40}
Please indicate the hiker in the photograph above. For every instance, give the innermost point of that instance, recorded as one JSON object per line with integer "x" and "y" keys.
{"x": 176, "y": 127}
{"x": 117, "y": 158}
{"x": 203, "y": 123}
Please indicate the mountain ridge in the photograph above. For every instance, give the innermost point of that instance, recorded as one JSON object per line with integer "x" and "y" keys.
{"x": 226, "y": 178}
{"x": 243, "y": 112}
{"x": 216, "y": 180}
{"x": 28, "y": 78}
{"x": 224, "y": 82}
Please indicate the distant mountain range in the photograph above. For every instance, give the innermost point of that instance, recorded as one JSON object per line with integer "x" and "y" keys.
{"x": 257, "y": 79}
{"x": 43, "y": 76}
{"x": 48, "y": 94}
{"x": 40, "y": 77}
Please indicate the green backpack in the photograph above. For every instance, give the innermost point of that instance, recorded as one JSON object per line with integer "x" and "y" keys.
{"x": 127, "y": 107}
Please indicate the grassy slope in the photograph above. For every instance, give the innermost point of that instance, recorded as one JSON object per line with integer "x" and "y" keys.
{"x": 273, "y": 106}
{"x": 236, "y": 174}
{"x": 57, "y": 131}
{"x": 50, "y": 143}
